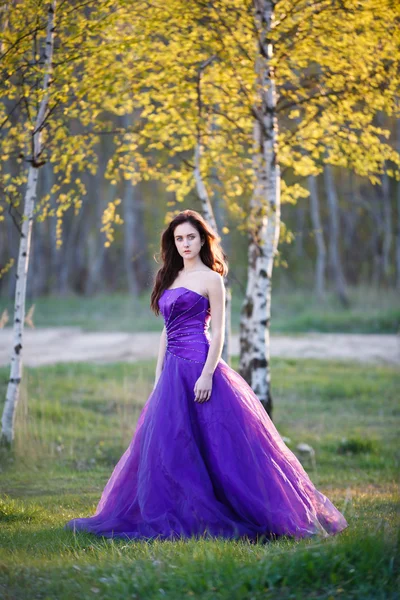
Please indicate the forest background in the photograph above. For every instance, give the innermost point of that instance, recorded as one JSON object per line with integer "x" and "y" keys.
{"x": 131, "y": 133}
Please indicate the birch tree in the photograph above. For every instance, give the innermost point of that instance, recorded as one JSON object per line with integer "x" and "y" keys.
{"x": 206, "y": 205}
{"x": 12, "y": 393}
{"x": 45, "y": 53}
{"x": 322, "y": 70}
{"x": 267, "y": 205}
{"x": 294, "y": 85}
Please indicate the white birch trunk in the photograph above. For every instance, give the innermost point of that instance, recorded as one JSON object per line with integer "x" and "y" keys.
{"x": 208, "y": 215}
{"x": 13, "y": 387}
{"x": 247, "y": 308}
{"x": 246, "y": 313}
{"x": 268, "y": 221}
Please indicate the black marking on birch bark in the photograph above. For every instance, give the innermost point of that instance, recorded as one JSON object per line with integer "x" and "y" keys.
{"x": 18, "y": 348}
{"x": 248, "y": 308}
{"x": 15, "y": 380}
{"x": 38, "y": 163}
{"x": 246, "y": 345}
{"x": 264, "y": 322}
{"x": 269, "y": 110}
{"x": 17, "y": 320}
{"x": 259, "y": 363}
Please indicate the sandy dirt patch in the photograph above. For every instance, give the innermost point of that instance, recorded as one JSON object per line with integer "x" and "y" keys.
{"x": 70, "y": 344}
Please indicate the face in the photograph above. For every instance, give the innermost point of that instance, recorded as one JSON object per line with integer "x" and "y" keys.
{"x": 187, "y": 240}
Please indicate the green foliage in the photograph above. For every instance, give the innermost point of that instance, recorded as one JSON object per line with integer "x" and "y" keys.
{"x": 358, "y": 445}
{"x": 17, "y": 511}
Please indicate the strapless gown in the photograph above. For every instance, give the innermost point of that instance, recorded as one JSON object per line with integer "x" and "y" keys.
{"x": 216, "y": 468}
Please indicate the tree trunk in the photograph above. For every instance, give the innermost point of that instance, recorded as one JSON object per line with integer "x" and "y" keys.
{"x": 220, "y": 215}
{"x": 206, "y": 206}
{"x": 208, "y": 215}
{"x": 334, "y": 253}
{"x": 13, "y": 387}
{"x": 247, "y": 308}
{"x": 268, "y": 216}
{"x": 246, "y": 313}
{"x": 268, "y": 221}
{"x": 320, "y": 264}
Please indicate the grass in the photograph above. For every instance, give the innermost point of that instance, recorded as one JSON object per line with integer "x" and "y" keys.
{"x": 293, "y": 311}
{"x": 75, "y": 420}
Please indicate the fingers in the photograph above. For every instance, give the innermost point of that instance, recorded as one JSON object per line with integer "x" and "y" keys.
{"x": 202, "y": 396}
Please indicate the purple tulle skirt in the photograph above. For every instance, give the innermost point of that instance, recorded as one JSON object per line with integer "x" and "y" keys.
{"x": 217, "y": 468}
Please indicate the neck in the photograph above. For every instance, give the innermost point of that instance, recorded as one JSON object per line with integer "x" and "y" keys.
{"x": 189, "y": 266}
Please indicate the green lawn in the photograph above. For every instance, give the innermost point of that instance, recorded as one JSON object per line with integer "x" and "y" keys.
{"x": 293, "y": 311}
{"x": 75, "y": 420}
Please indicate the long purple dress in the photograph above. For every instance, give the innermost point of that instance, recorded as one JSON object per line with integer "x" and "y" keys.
{"x": 216, "y": 468}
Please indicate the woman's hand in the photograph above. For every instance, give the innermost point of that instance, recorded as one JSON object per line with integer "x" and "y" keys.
{"x": 202, "y": 388}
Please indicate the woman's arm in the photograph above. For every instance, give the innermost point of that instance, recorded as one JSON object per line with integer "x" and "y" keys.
{"x": 216, "y": 294}
{"x": 161, "y": 354}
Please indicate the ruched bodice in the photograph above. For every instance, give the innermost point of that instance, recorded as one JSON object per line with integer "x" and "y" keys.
{"x": 187, "y": 319}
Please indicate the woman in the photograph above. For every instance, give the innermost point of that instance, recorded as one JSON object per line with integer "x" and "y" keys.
{"x": 205, "y": 458}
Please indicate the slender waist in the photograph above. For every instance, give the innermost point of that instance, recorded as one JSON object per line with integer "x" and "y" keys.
{"x": 191, "y": 343}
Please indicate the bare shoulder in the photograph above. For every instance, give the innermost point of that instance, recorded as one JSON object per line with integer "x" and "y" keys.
{"x": 214, "y": 282}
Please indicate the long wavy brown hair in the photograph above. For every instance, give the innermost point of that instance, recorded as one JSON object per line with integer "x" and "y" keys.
{"x": 211, "y": 253}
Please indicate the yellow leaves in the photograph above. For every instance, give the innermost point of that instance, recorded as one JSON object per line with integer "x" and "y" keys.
{"x": 294, "y": 114}
{"x": 291, "y": 193}
{"x": 109, "y": 218}
{"x": 304, "y": 164}
{"x": 286, "y": 236}
{"x": 6, "y": 267}
{"x": 143, "y": 60}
